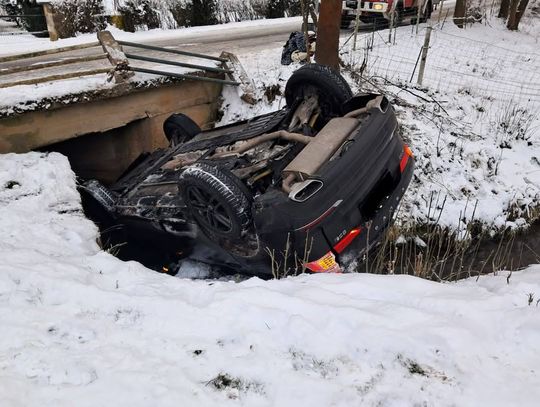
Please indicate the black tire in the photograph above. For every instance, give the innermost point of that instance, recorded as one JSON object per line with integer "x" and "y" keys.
{"x": 99, "y": 206}
{"x": 332, "y": 89}
{"x": 100, "y": 194}
{"x": 217, "y": 200}
{"x": 179, "y": 128}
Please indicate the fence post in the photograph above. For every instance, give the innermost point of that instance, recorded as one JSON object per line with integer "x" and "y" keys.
{"x": 440, "y": 7}
{"x": 356, "y": 23}
{"x": 425, "y": 49}
{"x": 393, "y": 22}
{"x": 49, "y": 18}
{"x": 420, "y": 9}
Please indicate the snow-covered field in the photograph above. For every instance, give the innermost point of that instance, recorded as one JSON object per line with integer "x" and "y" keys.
{"x": 80, "y": 327}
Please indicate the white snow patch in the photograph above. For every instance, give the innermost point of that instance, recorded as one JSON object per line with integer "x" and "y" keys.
{"x": 78, "y": 324}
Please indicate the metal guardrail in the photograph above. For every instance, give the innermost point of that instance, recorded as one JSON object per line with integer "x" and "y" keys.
{"x": 121, "y": 68}
{"x": 170, "y": 51}
{"x": 182, "y": 76}
{"x": 175, "y": 63}
{"x": 126, "y": 66}
{"x": 22, "y": 15}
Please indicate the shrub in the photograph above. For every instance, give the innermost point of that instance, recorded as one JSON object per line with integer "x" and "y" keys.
{"x": 232, "y": 10}
{"x": 29, "y": 7}
{"x": 282, "y": 8}
{"x": 8, "y": 7}
{"x": 79, "y": 16}
{"x": 182, "y": 13}
{"x": 139, "y": 14}
{"x": 259, "y": 7}
{"x": 204, "y": 12}
{"x": 294, "y": 8}
{"x": 275, "y": 9}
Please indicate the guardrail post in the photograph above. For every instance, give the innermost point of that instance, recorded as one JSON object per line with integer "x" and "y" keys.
{"x": 247, "y": 88}
{"x": 116, "y": 56}
{"x": 49, "y": 18}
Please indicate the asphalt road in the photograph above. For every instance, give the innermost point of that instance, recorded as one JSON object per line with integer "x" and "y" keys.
{"x": 238, "y": 39}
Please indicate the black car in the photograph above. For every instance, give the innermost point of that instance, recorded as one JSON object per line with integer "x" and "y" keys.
{"x": 281, "y": 193}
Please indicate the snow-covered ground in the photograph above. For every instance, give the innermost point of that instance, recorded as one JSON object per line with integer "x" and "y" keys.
{"x": 80, "y": 327}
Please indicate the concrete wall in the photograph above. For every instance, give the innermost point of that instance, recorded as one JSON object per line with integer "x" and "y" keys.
{"x": 101, "y": 138}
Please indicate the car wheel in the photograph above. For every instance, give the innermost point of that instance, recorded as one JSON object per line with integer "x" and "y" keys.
{"x": 179, "y": 128}
{"x": 314, "y": 79}
{"x": 217, "y": 200}
{"x": 99, "y": 206}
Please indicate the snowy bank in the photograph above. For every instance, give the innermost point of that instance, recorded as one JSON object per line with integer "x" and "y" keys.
{"x": 80, "y": 326}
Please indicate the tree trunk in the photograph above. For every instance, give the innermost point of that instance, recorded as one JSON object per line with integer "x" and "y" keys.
{"x": 512, "y": 15}
{"x": 459, "y": 13}
{"x": 513, "y": 23}
{"x": 503, "y": 11}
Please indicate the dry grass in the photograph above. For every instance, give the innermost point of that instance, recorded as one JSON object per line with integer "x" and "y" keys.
{"x": 441, "y": 254}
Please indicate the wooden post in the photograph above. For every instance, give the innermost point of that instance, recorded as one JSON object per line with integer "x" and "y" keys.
{"x": 49, "y": 18}
{"x": 393, "y": 22}
{"x": 459, "y": 13}
{"x": 425, "y": 49}
{"x": 328, "y": 34}
{"x": 441, "y": 5}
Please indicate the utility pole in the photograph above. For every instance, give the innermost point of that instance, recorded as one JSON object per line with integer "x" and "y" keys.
{"x": 328, "y": 33}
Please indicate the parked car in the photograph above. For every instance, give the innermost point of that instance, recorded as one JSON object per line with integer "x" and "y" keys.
{"x": 288, "y": 191}
{"x": 375, "y": 11}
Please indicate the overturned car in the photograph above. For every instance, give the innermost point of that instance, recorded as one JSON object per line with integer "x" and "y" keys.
{"x": 284, "y": 192}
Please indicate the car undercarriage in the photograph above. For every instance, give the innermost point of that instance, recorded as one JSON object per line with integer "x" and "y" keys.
{"x": 288, "y": 191}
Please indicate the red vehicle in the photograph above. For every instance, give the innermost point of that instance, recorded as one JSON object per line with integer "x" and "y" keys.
{"x": 376, "y": 11}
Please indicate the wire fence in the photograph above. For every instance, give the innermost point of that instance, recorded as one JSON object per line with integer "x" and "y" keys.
{"x": 454, "y": 63}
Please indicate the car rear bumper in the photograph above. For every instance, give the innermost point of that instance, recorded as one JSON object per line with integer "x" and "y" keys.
{"x": 372, "y": 231}
{"x": 363, "y": 186}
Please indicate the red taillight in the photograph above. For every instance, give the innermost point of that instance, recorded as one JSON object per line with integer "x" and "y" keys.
{"x": 407, "y": 153}
{"x": 347, "y": 240}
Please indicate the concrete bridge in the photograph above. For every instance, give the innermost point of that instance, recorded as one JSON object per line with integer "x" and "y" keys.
{"x": 104, "y": 135}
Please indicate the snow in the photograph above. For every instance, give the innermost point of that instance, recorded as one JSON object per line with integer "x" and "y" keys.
{"x": 28, "y": 43}
{"x": 80, "y": 326}
{"x": 28, "y": 97}
{"x": 474, "y": 126}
